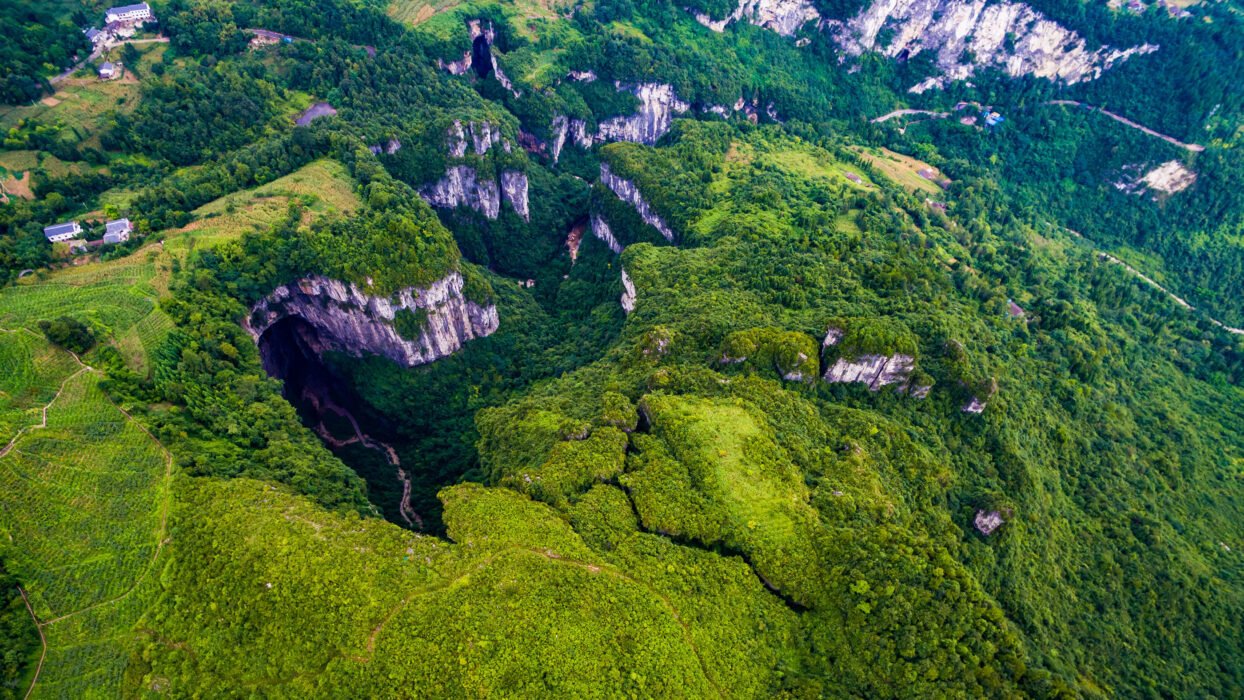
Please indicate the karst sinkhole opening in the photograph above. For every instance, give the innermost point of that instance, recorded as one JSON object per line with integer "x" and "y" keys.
{"x": 295, "y": 352}
{"x": 481, "y": 56}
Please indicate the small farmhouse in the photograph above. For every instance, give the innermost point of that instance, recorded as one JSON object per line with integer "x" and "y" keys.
{"x": 128, "y": 14}
{"x": 117, "y": 231}
{"x": 108, "y": 71}
{"x": 93, "y": 35}
{"x": 61, "y": 232}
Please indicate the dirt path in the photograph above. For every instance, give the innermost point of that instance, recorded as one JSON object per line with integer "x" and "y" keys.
{"x": 42, "y": 640}
{"x": 161, "y": 531}
{"x": 1178, "y": 299}
{"x": 906, "y": 112}
{"x": 1149, "y": 280}
{"x": 407, "y": 511}
{"x": 1124, "y": 120}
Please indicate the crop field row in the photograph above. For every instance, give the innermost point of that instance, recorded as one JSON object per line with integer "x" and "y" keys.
{"x": 82, "y": 499}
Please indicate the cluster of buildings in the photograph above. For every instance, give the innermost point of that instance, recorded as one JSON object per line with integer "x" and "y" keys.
{"x": 115, "y": 231}
{"x": 118, "y": 22}
{"x": 986, "y": 115}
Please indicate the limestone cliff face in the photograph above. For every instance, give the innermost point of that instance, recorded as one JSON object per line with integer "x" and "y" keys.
{"x": 480, "y": 56}
{"x": 462, "y": 186}
{"x": 600, "y": 229}
{"x": 875, "y": 371}
{"x": 658, "y": 105}
{"x": 514, "y": 191}
{"x": 349, "y": 320}
{"x": 629, "y": 296}
{"x": 629, "y": 193}
{"x": 782, "y": 16}
{"x": 1007, "y": 35}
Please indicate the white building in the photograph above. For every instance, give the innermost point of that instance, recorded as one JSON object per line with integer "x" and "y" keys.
{"x": 117, "y": 231}
{"x": 128, "y": 13}
{"x": 61, "y": 232}
{"x": 108, "y": 71}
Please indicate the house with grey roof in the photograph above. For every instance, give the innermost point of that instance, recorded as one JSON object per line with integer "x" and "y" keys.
{"x": 93, "y": 35}
{"x": 117, "y": 231}
{"x": 108, "y": 71}
{"x": 61, "y": 232}
{"x": 129, "y": 13}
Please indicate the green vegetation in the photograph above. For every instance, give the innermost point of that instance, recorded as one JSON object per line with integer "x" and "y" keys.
{"x": 34, "y": 43}
{"x": 666, "y": 501}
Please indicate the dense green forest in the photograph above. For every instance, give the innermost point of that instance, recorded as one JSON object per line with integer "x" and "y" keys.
{"x": 372, "y": 406}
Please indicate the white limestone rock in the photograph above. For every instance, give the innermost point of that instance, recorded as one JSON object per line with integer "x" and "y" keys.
{"x": 988, "y": 521}
{"x": 350, "y": 320}
{"x": 657, "y": 106}
{"x": 514, "y": 191}
{"x": 461, "y": 187}
{"x": 629, "y": 193}
{"x": 785, "y": 17}
{"x": 875, "y": 371}
{"x": 600, "y": 229}
{"x": 629, "y": 296}
{"x": 1008, "y": 35}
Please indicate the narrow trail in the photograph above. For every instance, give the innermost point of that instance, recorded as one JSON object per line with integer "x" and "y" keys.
{"x": 162, "y": 537}
{"x": 1152, "y": 282}
{"x": 906, "y": 112}
{"x": 1124, "y": 120}
{"x": 407, "y": 511}
{"x": 42, "y": 640}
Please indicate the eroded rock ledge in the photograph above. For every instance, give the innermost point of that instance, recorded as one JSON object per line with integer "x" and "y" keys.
{"x": 349, "y": 320}
{"x": 629, "y": 193}
{"x": 462, "y": 186}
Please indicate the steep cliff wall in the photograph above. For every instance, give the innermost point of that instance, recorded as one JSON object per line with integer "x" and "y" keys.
{"x": 462, "y": 186}
{"x": 600, "y": 229}
{"x": 658, "y": 105}
{"x": 629, "y": 193}
{"x": 1008, "y": 35}
{"x": 873, "y": 370}
{"x": 629, "y": 295}
{"x": 352, "y": 321}
{"x": 480, "y": 56}
{"x": 782, "y": 16}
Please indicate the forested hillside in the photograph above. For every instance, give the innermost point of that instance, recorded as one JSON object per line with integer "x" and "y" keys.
{"x": 627, "y": 348}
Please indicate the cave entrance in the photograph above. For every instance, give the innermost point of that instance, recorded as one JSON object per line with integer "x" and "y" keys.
{"x": 292, "y": 350}
{"x": 481, "y": 56}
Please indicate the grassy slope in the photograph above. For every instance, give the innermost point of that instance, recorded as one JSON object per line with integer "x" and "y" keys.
{"x": 85, "y": 497}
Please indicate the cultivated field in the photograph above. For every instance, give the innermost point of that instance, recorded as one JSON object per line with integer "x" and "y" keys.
{"x": 903, "y": 170}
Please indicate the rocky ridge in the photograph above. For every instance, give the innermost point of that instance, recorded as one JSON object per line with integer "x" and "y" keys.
{"x": 629, "y": 193}
{"x": 350, "y": 320}
{"x": 1008, "y": 35}
{"x": 785, "y": 17}
{"x": 461, "y": 184}
{"x": 873, "y": 370}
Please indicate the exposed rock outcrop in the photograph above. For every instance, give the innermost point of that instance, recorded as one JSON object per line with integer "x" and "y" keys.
{"x": 988, "y": 521}
{"x": 481, "y": 136}
{"x": 629, "y": 193}
{"x": 1007, "y": 35}
{"x": 461, "y": 187}
{"x": 349, "y": 320}
{"x": 974, "y": 406}
{"x": 782, "y": 16}
{"x": 600, "y": 229}
{"x": 658, "y": 104}
{"x": 629, "y": 296}
{"x": 514, "y": 191}
{"x": 480, "y": 56}
{"x": 873, "y": 370}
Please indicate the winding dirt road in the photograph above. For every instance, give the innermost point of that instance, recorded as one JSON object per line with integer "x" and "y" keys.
{"x": 1124, "y": 120}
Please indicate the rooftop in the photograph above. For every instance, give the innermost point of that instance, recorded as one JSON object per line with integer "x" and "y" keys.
{"x": 129, "y": 8}
{"x": 118, "y": 226}
{"x": 60, "y": 229}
